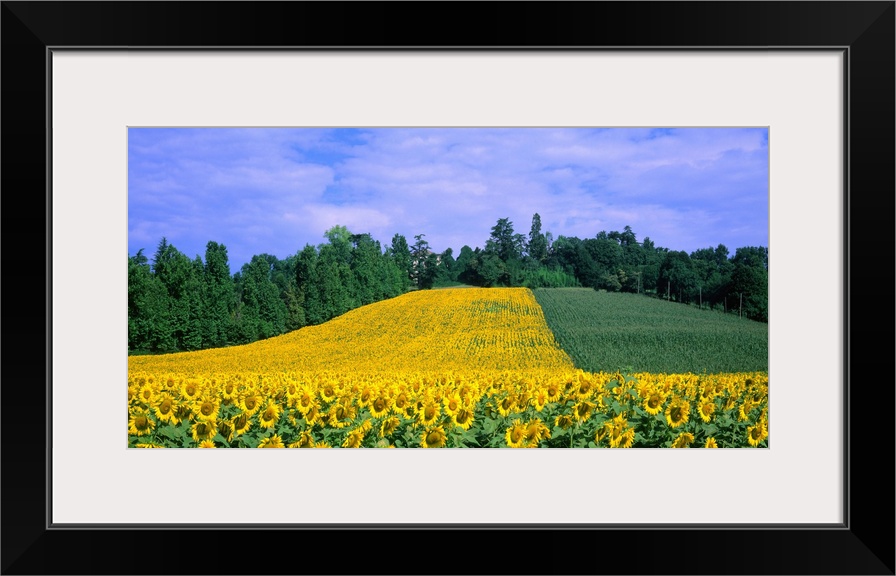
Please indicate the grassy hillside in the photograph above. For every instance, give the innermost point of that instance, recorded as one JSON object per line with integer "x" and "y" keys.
{"x": 604, "y": 331}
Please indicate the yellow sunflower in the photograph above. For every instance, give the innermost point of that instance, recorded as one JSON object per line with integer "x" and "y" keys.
{"x": 207, "y": 444}
{"x": 463, "y": 418}
{"x": 677, "y": 412}
{"x": 146, "y": 395}
{"x": 147, "y": 445}
{"x": 553, "y": 391}
{"x": 250, "y": 403}
{"x": 400, "y": 403}
{"x": 190, "y": 389}
{"x": 452, "y": 403}
{"x": 429, "y": 413}
{"x": 140, "y": 423}
{"x": 743, "y": 412}
{"x": 241, "y": 423}
{"x": 341, "y": 414}
{"x": 433, "y": 438}
{"x": 305, "y": 400}
{"x": 706, "y": 407}
{"x": 305, "y": 440}
{"x": 379, "y": 406}
{"x": 353, "y": 439}
{"x": 274, "y": 441}
{"x": 653, "y": 403}
{"x": 228, "y": 392}
{"x": 563, "y": 421}
{"x": 165, "y": 409}
{"x": 683, "y": 440}
{"x": 268, "y": 417}
{"x": 582, "y": 410}
{"x": 516, "y": 434}
{"x": 313, "y": 416}
{"x": 206, "y": 408}
{"x": 203, "y": 430}
{"x": 389, "y": 426}
{"x": 618, "y": 432}
{"x": 729, "y": 403}
{"x": 756, "y": 434}
{"x": 225, "y": 429}
{"x": 536, "y": 431}
{"x": 540, "y": 400}
{"x": 506, "y": 406}
{"x": 328, "y": 392}
{"x": 711, "y": 443}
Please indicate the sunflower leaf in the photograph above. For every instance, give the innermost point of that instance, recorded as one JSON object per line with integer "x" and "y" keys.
{"x": 171, "y": 432}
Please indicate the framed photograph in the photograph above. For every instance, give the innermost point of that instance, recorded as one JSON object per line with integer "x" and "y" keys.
{"x": 88, "y": 85}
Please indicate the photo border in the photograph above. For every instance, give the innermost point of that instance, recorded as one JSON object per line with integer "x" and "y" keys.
{"x": 863, "y": 30}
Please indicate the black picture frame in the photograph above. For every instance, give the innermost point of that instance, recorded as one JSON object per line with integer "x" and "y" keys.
{"x": 864, "y": 544}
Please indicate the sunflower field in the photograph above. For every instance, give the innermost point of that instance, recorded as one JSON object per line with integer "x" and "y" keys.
{"x": 446, "y": 368}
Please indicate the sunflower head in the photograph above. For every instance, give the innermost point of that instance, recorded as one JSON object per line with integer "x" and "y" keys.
{"x": 146, "y": 395}
{"x": 268, "y": 417}
{"x": 463, "y": 417}
{"x": 140, "y": 423}
{"x": 582, "y": 410}
{"x": 353, "y": 439}
{"x": 683, "y": 440}
{"x": 516, "y": 434}
{"x": 305, "y": 440}
{"x": 756, "y": 434}
{"x": 505, "y": 406}
{"x": 166, "y": 409}
{"x": 389, "y": 426}
{"x": 203, "y": 430}
{"x": 250, "y": 402}
{"x": 706, "y": 407}
{"x": 711, "y": 443}
{"x": 536, "y": 431}
{"x": 428, "y": 413}
{"x": 677, "y": 412}
{"x": 274, "y": 441}
{"x": 379, "y": 406}
{"x": 653, "y": 402}
{"x": 190, "y": 389}
{"x": 241, "y": 423}
{"x": 205, "y": 408}
{"x": 563, "y": 421}
{"x": 433, "y": 438}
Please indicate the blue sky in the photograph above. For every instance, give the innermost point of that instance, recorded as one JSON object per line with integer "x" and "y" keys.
{"x": 274, "y": 190}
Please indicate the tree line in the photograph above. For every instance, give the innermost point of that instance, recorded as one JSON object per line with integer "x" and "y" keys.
{"x": 179, "y": 304}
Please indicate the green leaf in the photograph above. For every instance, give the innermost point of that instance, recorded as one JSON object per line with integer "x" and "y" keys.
{"x": 171, "y": 432}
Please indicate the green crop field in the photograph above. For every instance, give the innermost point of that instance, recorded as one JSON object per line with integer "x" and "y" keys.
{"x": 605, "y": 331}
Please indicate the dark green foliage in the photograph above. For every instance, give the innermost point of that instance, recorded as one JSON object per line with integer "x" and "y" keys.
{"x": 179, "y": 304}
